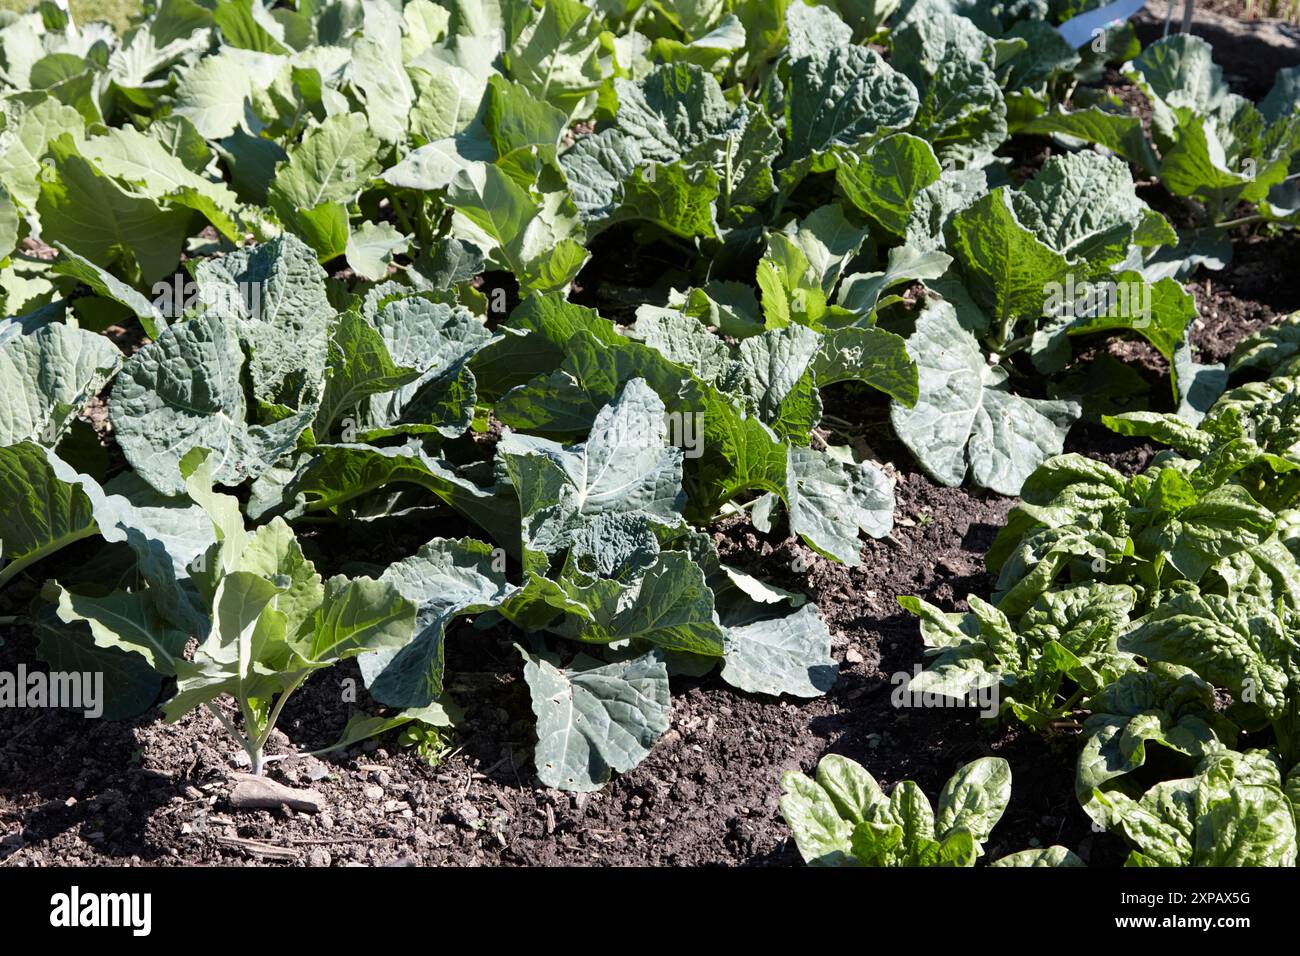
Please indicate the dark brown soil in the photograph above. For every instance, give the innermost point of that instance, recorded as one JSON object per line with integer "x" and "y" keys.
{"x": 1257, "y": 289}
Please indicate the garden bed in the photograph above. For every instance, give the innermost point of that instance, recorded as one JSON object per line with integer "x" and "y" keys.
{"x": 141, "y": 793}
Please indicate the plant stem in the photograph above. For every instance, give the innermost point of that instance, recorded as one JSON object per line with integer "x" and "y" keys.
{"x": 1243, "y": 221}
{"x": 1068, "y": 706}
{"x": 259, "y": 744}
{"x": 401, "y": 214}
{"x": 1005, "y": 328}
{"x": 231, "y": 729}
{"x": 737, "y": 509}
{"x": 1016, "y": 345}
{"x": 726, "y": 204}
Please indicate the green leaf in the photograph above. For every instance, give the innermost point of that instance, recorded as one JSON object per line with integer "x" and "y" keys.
{"x": 1121, "y": 133}
{"x": 130, "y": 684}
{"x": 1160, "y": 312}
{"x": 962, "y": 113}
{"x": 556, "y": 55}
{"x": 436, "y": 340}
{"x": 669, "y": 606}
{"x": 371, "y": 248}
{"x": 331, "y": 164}
{"x": 1269, "y": 350}
{"x": 444, "y": 579}
{"x": 822, "y": 813}
{"x": 1085, "y": 207}
{"x": 496, "y": 214}
{"x": 625, "y": 466}
{"x": 782, "y": 655}
{"x": 248, "y": 25}
{"x": 378, "y": 72}
{"x": 594, "y": 718}
{"x": 830, "y": 498}
{"x": 144, "y": 162}
{"x": 337, "y": 474}
{"x": 861, "y": 293}
{"x": 1047, "y": 856}
{"x": 872, "y": 356}
{"x": 126, "y": 621}
{"x": 966, "y": 420}
{"x": 84, "y": 209}
{"x": 38, "y": 126}
{"x": 1162, "y": 427}
{"x": 975, "y": 798}
{"x": 773, "y": 371}
{"x": 8, "y": 224}
{"x": 846, "y": 96}
{"x": 44, "y": 512}
{"x": 434, "y": 165}
{"x": 360, "y": 366}
{"x": 1242, "y": 648}
{"x": 812, "y": 29}
{"x": 355, "y": 616}
{"x": 47, "y": 377}
{"x": 885, "y": 182}
{"x": 110, "y": 287}
{"x": 1008, "y": 269}
{"x": 671, "y": 197}
{"x": 275, "y": 295}
{"x": 183, "y": 392}
{"x": 213, "y": 93}
{"x": 1164, "y": 706}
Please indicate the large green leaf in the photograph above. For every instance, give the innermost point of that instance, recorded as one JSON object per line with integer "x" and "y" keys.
{"x": 47, "y": 377}
{"x": 595, "y": 718}
{"x": 213, "y": 94}
{"x": 625, "y": 466}
{"x": 44, "y": 513}
{"x": 444, "y": 579}
{"x": 144, "y": 162}
{"x": 1008, "y": 268}
{"x": 183, "y": 392}
{"x": 966, "y": 419}
{"x": 846, "y": 96}
{"x": 556, "y": 55}
{"x": 275, "y": 296}
{"x": 975, "y": 798}
{"x": 830, "y": 498}
{"x": 885, "y": 181}
{"x": 781, "y": 655}
{"x": 669, "y": 606}
{"x": 95, "y": 217}
{"x": 518, "y": 233}
{"x": 1242, "y": 648}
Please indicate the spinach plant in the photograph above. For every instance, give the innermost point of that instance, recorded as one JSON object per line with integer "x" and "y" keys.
{"x": 843, "y": 818}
